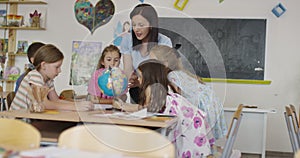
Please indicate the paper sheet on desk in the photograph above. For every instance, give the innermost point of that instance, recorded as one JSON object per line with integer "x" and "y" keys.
{"x": 102, "y": 106}
{"x": 128, "y": 116}
{"x": 141, "y": 114}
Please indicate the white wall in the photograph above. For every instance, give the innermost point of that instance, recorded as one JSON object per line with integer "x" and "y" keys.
{"x": 282, "y": 44}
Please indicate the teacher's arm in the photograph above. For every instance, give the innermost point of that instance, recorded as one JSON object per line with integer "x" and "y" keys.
{"x": 128, "y": 66}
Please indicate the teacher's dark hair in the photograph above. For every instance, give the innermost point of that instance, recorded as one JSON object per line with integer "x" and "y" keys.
{"x": 149, "y": 13}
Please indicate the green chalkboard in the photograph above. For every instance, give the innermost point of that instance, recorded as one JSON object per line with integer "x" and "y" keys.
{"x": 219, "y": 48}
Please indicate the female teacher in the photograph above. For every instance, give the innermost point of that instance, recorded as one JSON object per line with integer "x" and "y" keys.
{"x": 136, "y": 46}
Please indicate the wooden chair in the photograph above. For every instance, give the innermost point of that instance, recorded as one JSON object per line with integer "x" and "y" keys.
{"x": 295, "y": 116}
{"x": 18, "y": 135}
{"x": 2, "y": 99}
{"x": 226, "y": 151}
{"x": 68, "y": 94}
{"x": 297, "y": 154}
{"x": 126, "y": 140}
{"x": 292, "y": 126}
{"x": 9, "y": 98}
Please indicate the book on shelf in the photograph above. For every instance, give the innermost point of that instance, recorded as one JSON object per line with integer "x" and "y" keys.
{"x": 3, "y": 17}
{"x": 3, "y": 45}
{"x": 22, "y": 46}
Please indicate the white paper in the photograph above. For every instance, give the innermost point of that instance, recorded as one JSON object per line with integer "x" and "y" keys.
{"x": 127, "y": 116}
{"x": 102, "y": 106}
{"x": 140, "y": 114}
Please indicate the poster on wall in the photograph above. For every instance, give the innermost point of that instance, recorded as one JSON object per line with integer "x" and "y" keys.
{"x": 85, "y": 56}
{"x": 120, "y": 30}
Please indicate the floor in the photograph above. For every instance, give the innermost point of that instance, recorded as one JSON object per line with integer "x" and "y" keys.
{"x": 270, "y": 154}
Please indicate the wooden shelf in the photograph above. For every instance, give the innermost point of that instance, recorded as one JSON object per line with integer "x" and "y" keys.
{"x": 12, "y": 7}
{"x": 23, "y": 2}
{"x": 17, "y": 54}
{"x": 7, "y": 80}
{"x": 22, "y": 28}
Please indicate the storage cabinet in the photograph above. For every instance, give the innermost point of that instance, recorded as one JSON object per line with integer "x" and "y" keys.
{"x": 12, "y": 8}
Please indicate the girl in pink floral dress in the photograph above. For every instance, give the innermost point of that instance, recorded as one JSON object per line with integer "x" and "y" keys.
{"x": 192, "y": 88}
{"x": 190, "y": 134}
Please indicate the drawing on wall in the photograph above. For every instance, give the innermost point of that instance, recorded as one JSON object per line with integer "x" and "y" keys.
{"x": 180, "y": 5}
{"x": 120, "y": 30}
{"x": 93, "y": 17}
{"x": 85, "y": 56}
{"x": 278, "y": 10}
{"x": 240, "y": 43}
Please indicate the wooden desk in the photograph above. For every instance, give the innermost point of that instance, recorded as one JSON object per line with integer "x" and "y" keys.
{"x": 89, "y": 117}
{"x": 68, "y": 116}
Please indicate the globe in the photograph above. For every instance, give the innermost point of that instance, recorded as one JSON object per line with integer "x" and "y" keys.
{"x": 113, "y": 82}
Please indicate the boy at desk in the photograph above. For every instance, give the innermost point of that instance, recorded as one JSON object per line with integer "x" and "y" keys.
{"x": 190, "y": 136}
{"x": 30, "y": 54}
{"x": 110, "y": 57}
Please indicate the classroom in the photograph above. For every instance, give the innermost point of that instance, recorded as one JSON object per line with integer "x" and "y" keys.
{"x": 280, "y": 88}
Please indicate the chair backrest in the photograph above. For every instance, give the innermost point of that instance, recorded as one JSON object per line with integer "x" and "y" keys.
{"x": 18, "y": 135}
{"x": 68, "y": 94}
{"x": 297, "y": 154}
{"x": 1, "y": 105}
{"x": 126, "y": 140}
{"x": 292, "y": 126}
{"x": 292, "y": 107}
{"x": 232, "y": 132}
{"x": 9, "y": 98}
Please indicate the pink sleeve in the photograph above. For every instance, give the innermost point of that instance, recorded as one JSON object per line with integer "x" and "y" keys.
{"x": 93, "y": 87}
{"x": 92, "y": 84}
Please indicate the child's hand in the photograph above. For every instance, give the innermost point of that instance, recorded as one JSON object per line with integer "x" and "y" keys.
{"x": 84, "y": 106}
{"x": 126, "y": 107}
{"x": 117, "y": 103}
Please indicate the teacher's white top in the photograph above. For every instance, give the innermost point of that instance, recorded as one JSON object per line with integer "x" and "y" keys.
{"x": 137, "y": 58}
